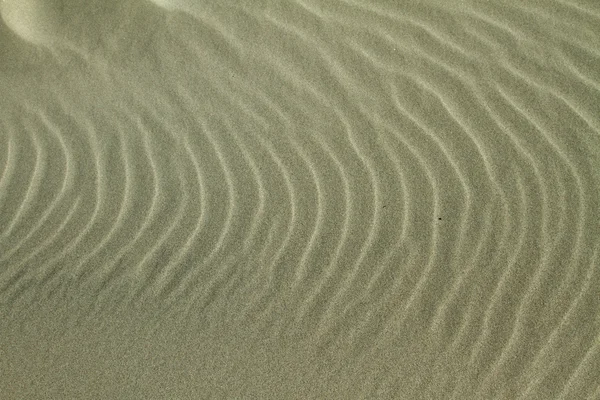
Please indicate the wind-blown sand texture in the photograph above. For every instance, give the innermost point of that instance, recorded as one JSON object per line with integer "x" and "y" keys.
{"x": 299, "y": 199}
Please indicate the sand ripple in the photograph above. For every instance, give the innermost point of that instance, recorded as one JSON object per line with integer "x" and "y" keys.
{"x": 414, "y": 187}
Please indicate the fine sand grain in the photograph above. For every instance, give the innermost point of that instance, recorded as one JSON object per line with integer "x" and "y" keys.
{"x": 299, "y": 199}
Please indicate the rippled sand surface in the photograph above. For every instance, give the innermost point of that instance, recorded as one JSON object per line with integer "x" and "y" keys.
{"x": 299, "y": 199}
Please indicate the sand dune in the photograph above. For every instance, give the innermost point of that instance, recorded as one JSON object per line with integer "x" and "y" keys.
{"x": 299, "y": 199}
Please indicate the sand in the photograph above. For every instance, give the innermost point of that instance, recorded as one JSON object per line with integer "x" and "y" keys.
{"x": 305, "y": 199}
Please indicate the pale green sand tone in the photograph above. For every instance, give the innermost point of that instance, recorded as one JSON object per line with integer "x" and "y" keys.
{"x": 299, "y": 199}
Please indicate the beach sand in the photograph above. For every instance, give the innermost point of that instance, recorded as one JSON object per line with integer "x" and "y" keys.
{"x": 304, "y": 199}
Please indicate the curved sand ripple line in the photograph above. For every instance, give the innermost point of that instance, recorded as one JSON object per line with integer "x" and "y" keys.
{"x": 31, "y": 189}
{"x": 394, "y": 185}
{"x": 10, "y": 165}
{"x": 52, "y": 212}
{"x": 7, "y": 156}
{"x": 540, "y": 273}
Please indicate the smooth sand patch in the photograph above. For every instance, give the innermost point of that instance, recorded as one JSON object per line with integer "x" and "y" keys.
{"x": 37, "y": 21}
